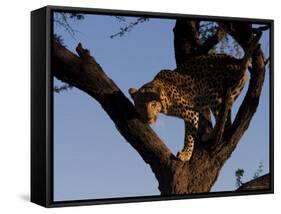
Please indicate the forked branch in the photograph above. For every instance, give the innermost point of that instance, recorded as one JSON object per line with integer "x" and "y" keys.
{"x": 187, "y": 40}
{"x": 87, "y": 75}
{"x": 211, "y": 41}
{"x": 251, "y": 100}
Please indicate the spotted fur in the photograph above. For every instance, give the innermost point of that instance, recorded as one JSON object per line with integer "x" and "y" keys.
{"x": 199, "y": 83}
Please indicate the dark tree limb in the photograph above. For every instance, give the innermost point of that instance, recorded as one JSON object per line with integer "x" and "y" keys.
{"x": 211, "y": 41}
{"x": 261, "y": 29}
{"x": 251, "y": 100}
{"x": 242, "y": 32}
{"x": 260, "y": 183}
{"x": 226, "y": 107}
{"x": 86, "y": 74}
{"x": 266, "y": 61}
{"x": 220, "y": 124}
{"x": 186, "y": 39}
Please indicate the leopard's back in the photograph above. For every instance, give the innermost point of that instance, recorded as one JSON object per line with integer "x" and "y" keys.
{"x": 211, "y": 64}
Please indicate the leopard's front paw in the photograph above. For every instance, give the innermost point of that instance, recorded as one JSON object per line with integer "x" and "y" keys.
{"x": 184, "y": 156}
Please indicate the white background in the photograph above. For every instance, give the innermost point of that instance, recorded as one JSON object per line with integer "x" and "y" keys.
{"x": 15, "y": 105}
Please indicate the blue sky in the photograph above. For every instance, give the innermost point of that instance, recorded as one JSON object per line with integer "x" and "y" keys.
{"x": 91, "y": 159}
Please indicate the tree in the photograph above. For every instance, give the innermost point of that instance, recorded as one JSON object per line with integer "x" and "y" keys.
{"x": 174, "y": 177}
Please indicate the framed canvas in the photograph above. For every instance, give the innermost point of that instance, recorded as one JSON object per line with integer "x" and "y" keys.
{"x": 134, "y": 106}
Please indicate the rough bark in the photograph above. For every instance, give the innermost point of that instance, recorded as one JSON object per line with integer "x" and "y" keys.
{"x": 260, "y": 183}
{"x": 174, "y": 177}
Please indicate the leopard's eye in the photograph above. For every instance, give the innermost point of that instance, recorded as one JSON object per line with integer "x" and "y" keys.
{"x": 153, "y": 104}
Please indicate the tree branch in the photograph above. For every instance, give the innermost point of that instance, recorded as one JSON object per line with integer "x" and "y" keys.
{"x": 226, "y": 103}
{"x": 260, "y": 183}
{"x": 220, "y": 124}
{"x": 251, "y": 100}
{"x": 260, "y": 29}
{"x": 211, "y": 41}
{"x": 86, "y": 74}
{"x": 186, "y": 39}
{"x": 242, "y": 32}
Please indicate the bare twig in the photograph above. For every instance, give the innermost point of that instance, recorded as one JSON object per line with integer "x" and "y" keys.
{"x": 64, "y": 87}
{"x": 267, "y": 61}
{"x": 129, "y": 27}
{"x": 261, "y": 29}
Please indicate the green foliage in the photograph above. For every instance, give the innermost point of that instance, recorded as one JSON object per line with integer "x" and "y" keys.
{"x": 259, "y": 170}
{"x": 239, "y": 174}
{"x": 59, "y": 39}
{"x": 228, "y": 45}
{"x": 207, "y": 29}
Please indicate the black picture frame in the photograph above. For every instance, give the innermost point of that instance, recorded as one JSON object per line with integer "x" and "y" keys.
{"x": 42, "y": 107}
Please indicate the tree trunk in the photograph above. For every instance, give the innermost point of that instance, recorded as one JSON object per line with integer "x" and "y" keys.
{"x": 196, "y": 176}
{"x": 174, "y": 177}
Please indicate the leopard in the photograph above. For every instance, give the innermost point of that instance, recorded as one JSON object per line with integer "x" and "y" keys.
{"x": 184, "y": 92}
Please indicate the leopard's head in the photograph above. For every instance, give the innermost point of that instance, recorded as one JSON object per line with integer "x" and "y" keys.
{"x": 147, "y": 102}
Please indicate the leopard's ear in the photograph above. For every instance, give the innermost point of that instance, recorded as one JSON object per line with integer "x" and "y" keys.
{"x": 132, "y": 92}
